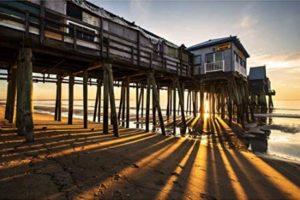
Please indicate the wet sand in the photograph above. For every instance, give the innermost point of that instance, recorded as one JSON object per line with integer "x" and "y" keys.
{"x": 69, "y": 162}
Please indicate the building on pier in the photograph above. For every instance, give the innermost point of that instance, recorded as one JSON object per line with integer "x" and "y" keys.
{"x": 219, "y": 55}
{"x": 260, "y": 87}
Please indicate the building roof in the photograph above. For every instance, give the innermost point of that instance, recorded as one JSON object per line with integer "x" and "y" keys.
{"x": 217, "y": 41}
{"x": 257, "y": 73}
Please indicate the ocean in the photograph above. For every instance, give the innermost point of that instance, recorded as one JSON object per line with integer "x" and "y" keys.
{"x": 284, "y": 122}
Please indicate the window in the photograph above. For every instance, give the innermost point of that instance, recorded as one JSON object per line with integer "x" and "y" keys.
{"x": 210, "y": 58}
{"x": 218, "y": 56}
{"x": 236, "y": 57}
{"x": 214, "y": 57}
{"x": 241, "y": 61}
{"x": 198, "y": 60}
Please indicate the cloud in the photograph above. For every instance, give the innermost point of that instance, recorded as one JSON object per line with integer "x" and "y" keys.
{"x": 280, "y": 61}
{"x": 139, "y": 6}
{"x": 247, "y": 22}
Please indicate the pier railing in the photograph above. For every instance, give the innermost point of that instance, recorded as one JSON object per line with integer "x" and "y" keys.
{"x": 214, "y": 67}
{"x": 64, "y": 32}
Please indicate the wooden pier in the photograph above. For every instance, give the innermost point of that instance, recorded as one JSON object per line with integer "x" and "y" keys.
{"x": 40, "y": 44}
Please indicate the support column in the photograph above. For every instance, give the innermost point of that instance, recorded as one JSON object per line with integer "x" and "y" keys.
{"x": 169, "y": 102}
{"x": 153, "y": 108}
{"x": 85, "y": 99}
{"x": 174, "y": 107}
{"x": 105, "y": 102}
{"x": 113, "y": 111}
{"x": 57, "y": 115}
{"x": 96, "y": 104}
{"x": 11, "y": 95}
{"x": 157, "y": 103}
{"x": 71, "y": 99}
{"x": 181, "y": 104}
{"x": 100, "y": 102}
{"x": 24, "y": 95}
{"x": 148, "y": 104}
{"x": 121, "y": 103}
{"x": 137, "y": 105}
{"x": 127, "y": 103}
{"x": 202, "y": 103}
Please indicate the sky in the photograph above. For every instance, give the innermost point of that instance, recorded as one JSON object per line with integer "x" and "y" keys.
{"x": 269, "y": 30}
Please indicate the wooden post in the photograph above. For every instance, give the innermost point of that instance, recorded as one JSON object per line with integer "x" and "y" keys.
{"x": 157, "y": 103}
{"x": 57, "y": 115}
{"x": 24, "y": 95}
{"x": 127, "y": 102}
{"x": 11, "y": 95}
{"x": 123, "y": 104}
{"x": 85, "y": 99}
{"x": 148, "y": 104}
{"x": 142, "y": 103}
{"x": 202, "y": 103}
{"x": 169, "y": 102}
{"x": 8, "y": 95}
{"x": 121, "y": 101}
{"x": 105, "y": 101}
{"x": 96, "y": 104}
{"x": 153, "y": 109}
{"x": 71, "y": 99}
{"x": 174, "y": 107}
{"x": 113, "y": 111}
{"x": 100, "y": 102}
{"x": 137, "y": 105}
{"x": 213, "y": 105}
{"x": 222, "y": 103}
{"x": 181, "y": 103}
{"x": 271, "y": 105}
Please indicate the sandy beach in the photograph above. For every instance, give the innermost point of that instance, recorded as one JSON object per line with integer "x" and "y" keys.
{"x": 69, "y": 162}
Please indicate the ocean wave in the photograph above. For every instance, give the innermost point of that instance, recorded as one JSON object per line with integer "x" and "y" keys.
{"x": 277, "y": 115}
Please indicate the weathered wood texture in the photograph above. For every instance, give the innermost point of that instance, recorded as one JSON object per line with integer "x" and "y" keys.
{"x": 24, "y": 94}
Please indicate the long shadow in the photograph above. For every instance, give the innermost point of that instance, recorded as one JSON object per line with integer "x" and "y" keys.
{"x": 216, "y": 170}
{"x": 165, "y": 168}
{"x": 94, "y": 155}
{"x": 284, "y": 168}
{"x": 245, "y": 182}
{"x": 58, "y": 145}
{"x": 183, "y": 177}
{"x": 246, "y": 174}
